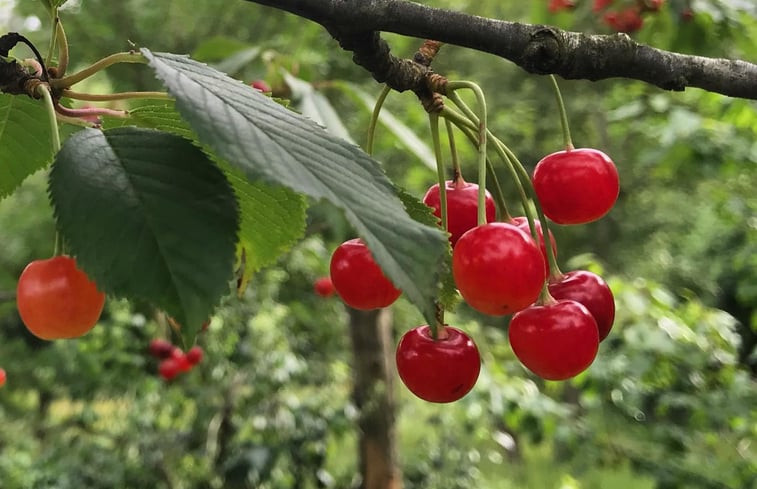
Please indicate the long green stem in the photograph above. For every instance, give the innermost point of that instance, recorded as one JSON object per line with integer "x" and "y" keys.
{"x": 60, "y": 35}
{"x": 53, "y": 36}
{"x": 115, "y": 96}
{"x": 44, "y": 91}
{"x": 482, "y": 135}
{"x": 522, "y": 180}
{"x": 554, "y": 270}
{"x": 468, "y": 128}
{"x": 433, "y": 119}
{"x": 563, "y": 114}
{"x": 374, "y": 118}
{"x": 457, "y": 173}
{"x": 499, "y": 196}
{"x": 126, "y": 57}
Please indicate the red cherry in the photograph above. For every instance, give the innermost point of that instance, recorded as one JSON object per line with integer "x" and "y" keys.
{"x": 3, "y": 377}
{"x": 261, "y": 86}
{"x": 498, "y": 268}
{"x": 590, "y": 290}
{"x": 522, "y": 224}
{"x": 628, "y": 20}
{"x": 169, "y": 368}
{"x": 557, "y": 5}
{"x": 462, "y": 206}
{"x": 438, "y": 371}
{"x": 601, "y": 5}
{"x": 687, "y": 14}
{"x": 160, "y": 348}
{"x": 57, "y": 300}
{"x": 358, "y": 279}
{"x": 576, "y": 186}
{"x": 556, "y": 341}
{"x": 324, "y": 287}
{"x": 194, "y": 355}
{"x": 182, "y": 362}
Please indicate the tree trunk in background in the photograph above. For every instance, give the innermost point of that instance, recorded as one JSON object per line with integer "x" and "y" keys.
{"x": 373, "y": 352}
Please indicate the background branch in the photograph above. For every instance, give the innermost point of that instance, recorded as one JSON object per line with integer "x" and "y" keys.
{"x": 535, "y": 48}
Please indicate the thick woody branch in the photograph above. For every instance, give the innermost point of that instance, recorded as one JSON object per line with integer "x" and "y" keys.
{"x": 535, "y": 48}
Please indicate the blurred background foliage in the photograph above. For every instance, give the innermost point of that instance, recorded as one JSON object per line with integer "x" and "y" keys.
{"x": 668, "y": 404}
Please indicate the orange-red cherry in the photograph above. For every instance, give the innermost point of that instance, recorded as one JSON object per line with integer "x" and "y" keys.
{"x": 58, "y": 300}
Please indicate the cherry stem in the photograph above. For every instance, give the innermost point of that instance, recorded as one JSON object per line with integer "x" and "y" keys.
{"x": 60, "y": 35}
{"x": 433, "y": 119}
{"x": 53, "y": 34}
{"x": 525, "y": 178}
{"x": 563, "y": 114}
{"x": 91, "y": 112}
{"x": 90, "y": 97}
{"x": 437, "y": 328}
{"x": 545, "y": 298}
{"x": 457, "y": 174}
{"x": 58, "y": 247}
{"x": 43, "y": 90}
{"x": 499, "y": 196}
{"x": 522, "y": 182}
{"x": 482, "y": 135}
{"x": 374, "y": 118}
{"x": 125, "y": 57}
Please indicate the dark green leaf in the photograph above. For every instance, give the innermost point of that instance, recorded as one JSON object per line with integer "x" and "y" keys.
{"x": 264, "y": 140}
{"x": 25, "y": 142}
{"x": 272, "y": 218}
{"x": 149, "y": 217}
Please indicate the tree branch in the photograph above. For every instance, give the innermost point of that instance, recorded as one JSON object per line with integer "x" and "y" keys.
{"x": 535, "y": 48}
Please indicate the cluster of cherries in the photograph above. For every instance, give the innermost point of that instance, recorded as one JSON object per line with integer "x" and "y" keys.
{"x": 173, "y": 361}
{"x": 3, "y": 377}
{"x": 621, "y": 15}
{"x": 500, "y": 269}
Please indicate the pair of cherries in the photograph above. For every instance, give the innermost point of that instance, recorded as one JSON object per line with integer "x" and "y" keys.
{"x": 500, "y": 270}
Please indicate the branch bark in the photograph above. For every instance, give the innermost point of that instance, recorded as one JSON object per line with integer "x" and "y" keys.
{"x": 537, "y": 49}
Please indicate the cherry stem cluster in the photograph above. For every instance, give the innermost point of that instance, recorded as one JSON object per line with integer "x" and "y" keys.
{"x": 481, "y": 126}
{"x": 468, "y": 123}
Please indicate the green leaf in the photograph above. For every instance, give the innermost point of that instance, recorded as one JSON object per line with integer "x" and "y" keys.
{"x": 25, "y": 142}
{"x": 265, "y": 140}
{"x": 316, "y": 106}
{"x": 149, "y": 217}
{"x": 272, "y": 218}
{"x": 449, "y": 297}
